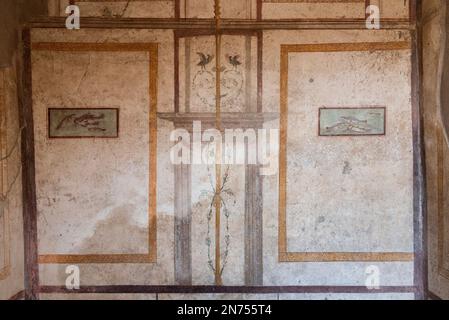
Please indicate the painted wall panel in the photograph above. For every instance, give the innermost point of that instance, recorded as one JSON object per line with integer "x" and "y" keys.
{"x": 311, "y": 89}
{"x": 120, "y": 79}
{"x": 377, "y": 200}
{"x": 239, "y": 73}
{"x": 331, "y": 180}
{"x": 122, "y": 184}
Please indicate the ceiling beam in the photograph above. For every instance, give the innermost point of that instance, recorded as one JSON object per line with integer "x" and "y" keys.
{"x": 226, "y": 24}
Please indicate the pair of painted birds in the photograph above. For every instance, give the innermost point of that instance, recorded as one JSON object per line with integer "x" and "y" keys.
{"x": 206, "y": 59}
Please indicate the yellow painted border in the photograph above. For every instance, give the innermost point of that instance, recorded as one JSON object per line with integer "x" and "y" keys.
{"x": 284, "y": 255}
{"x": 152, "y": 49}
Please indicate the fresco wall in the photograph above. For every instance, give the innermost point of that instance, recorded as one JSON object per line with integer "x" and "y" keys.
{"x": 11, "y": 225}
{"x": 235, "y": 9}
{"x": 337, "y": 205}
{"x": 436, "y": 146}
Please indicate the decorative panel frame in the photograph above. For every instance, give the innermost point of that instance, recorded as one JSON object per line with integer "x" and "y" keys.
{"x": 152, "y": 50}
{"x": 284, "y": 255}
{"x": 186, "y": 34}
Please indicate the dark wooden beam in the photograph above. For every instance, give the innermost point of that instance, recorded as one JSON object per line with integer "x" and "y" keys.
{"x": 227, "y": 24}
{"x": 177, "y": 9}
{"x": 419, "y": 170}
{"x": 28, "y": 174}
{"x": 226, "y": 289}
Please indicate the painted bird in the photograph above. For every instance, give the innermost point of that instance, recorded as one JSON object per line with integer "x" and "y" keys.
{"x": 234, "y": 60}
{"x": 204, "y": 60}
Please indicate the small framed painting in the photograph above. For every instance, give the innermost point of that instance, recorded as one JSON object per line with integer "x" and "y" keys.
{"x": 83, "y": 122}
{"x": 359, "y": 121}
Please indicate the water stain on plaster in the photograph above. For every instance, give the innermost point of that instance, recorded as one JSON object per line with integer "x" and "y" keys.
{"x": 115, "y": 226}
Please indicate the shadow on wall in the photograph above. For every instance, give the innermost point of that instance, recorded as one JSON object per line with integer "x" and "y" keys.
{"x": 12, "y": 14}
